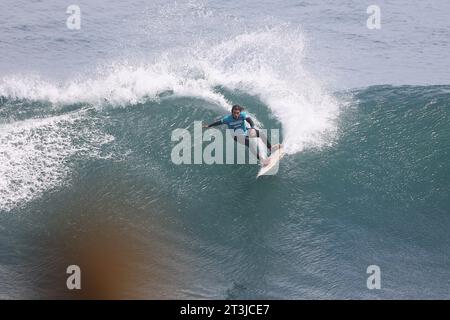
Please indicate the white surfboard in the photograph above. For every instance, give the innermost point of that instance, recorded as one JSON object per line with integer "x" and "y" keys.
{"x": 272, "y": 167}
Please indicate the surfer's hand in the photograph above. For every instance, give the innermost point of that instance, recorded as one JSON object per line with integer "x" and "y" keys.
{"x": 205, "y": 126}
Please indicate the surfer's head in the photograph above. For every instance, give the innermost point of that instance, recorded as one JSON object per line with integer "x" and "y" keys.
{"x": 236, "y": 111}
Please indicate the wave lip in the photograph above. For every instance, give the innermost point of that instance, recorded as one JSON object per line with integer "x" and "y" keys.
{"x": 268, "y": 63}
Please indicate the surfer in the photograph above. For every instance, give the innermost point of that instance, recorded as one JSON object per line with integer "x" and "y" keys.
{"x": 236, "y": 122}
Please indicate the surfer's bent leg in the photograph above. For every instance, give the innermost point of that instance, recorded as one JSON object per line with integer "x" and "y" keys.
{"x": 247, "y": 144}
{"x": 264, "y": 138}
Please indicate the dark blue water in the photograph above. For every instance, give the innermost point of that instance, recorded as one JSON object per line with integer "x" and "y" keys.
{"x": 86, "y": 175}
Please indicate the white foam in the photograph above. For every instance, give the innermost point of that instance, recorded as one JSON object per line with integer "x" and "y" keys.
{"x": 124, "y": 85}
{"x": 34, "y": 155}
{"x": 267, "y": 63}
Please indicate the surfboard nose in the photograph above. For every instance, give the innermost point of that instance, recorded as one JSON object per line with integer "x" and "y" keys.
{"x": 272, "y": 167}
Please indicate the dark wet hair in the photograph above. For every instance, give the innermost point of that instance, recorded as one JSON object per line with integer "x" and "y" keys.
{"x": 236, "y": 106}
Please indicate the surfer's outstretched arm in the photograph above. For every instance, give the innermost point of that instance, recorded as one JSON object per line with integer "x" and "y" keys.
{"x": 217, "y": 123}
{"x": 250, "y": 121}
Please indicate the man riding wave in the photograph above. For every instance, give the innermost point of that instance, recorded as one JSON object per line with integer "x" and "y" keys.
{"x": 236, "y": 122}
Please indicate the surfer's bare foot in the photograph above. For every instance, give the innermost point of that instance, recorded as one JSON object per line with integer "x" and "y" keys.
{"x": 265, "y": 162}
{"x": 275, "y": 147}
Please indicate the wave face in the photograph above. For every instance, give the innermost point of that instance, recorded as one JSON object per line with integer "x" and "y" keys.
{"x": 86, "y": 172}
{"x": 266, "y": 65}
{"x": 375, "y": 193}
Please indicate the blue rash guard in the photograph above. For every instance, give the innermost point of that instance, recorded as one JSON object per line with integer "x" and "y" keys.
{"x": 238, "y": 125}
{"x": 239, "y": 128}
